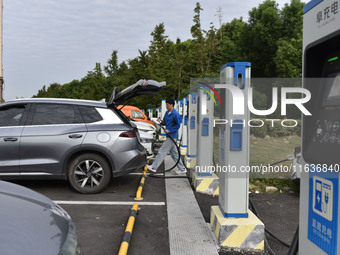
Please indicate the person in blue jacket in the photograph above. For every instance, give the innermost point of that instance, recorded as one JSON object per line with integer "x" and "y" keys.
{"x": 172, "y": 123}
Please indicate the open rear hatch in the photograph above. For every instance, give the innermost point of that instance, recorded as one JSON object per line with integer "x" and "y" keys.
{"x": 141, "y": 87}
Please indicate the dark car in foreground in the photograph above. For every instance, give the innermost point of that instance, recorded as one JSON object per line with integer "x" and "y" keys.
{"x": 32, "y": 224}
{"x": 85, "y": 142}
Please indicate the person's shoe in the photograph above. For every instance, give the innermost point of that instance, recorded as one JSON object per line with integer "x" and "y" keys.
{"x": 151, "y": 169}
{"x": 149, "y": 155}
{"x": 181, "y": 171}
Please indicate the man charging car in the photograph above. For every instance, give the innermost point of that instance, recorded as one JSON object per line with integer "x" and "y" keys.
{"x": 172, "y": 123}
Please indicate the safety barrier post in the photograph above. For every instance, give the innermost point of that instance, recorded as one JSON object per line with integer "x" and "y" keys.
{"x": 128, "y": 231}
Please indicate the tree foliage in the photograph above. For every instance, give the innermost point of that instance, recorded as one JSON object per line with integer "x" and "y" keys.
{"x": 271, "y": 39}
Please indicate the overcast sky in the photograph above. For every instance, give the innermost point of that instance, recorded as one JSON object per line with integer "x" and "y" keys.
{"x": 47, "y": 41}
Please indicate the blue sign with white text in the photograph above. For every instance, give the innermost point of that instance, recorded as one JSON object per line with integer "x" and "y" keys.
{"x": 323, "y": 210}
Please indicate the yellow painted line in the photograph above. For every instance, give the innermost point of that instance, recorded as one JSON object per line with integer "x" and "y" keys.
{"x": 238, "y": 236}
{"x": 217, "y": 231}
{"x": 204, "y": 184}
{"x": 260, "y": 246}
{"x": 217, "y": 191}
{"x": 212, "y": 218}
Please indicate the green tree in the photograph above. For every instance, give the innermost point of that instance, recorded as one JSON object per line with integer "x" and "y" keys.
{"x": 264, "y": 29}
{"x": 288, "y": 58}
{"x": 231, "y": 44}
{"x": 200, "y": 53}
{"x": 112, "y": 64}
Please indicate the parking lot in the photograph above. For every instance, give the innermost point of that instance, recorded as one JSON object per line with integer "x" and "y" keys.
{"x": 100, "y": 219}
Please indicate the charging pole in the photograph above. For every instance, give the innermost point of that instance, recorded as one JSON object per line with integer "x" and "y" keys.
{"x": 163, "y": 110}
{"x": 319, "y": 228}
{"x": 234, "y": 145}
{"x": 203, "y": 179}
{"x": 180, "y": 130}
{"x": 192, "y": 130}
{"x": 205, "y": 134}
{"x": 184, "y": 129}
{"x": 150, "y": 113}
{"x": 234, "y": 224}
{"x": 159, "y": 113}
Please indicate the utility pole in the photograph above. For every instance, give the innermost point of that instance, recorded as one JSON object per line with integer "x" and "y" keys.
{"x": 1, "y": 71}
{"x": 220, "y": 16}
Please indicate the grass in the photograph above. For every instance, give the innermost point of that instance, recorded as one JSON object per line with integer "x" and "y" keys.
{"x": 264, "y": 151}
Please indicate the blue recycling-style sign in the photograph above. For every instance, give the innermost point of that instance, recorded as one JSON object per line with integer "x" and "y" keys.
{"x": 323, "y": 210}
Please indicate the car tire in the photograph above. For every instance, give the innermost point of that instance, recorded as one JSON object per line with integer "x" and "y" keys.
{"x": 89, "y": 173}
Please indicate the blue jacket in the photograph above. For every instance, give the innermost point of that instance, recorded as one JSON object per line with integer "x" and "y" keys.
{"x": 172, "y": 122}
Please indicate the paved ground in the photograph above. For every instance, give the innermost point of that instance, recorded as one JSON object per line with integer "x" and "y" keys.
{"x": 278, "y": 212}
{"x": 100, "y": 227}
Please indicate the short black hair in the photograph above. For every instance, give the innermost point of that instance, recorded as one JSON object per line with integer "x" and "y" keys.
{"x": 170, "y": 101}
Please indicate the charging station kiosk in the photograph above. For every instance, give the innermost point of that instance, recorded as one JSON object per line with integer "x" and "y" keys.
{"x": 205, "y": 133}
{"x": 190, "y": 160}
{"x": 180, "y": 130}
{"x": 163, "y": 110}
{"x": 204, "y": 181}
{"x": 150, "y": 113}
{"x": 184, "y": 127}
{"x": 159, "y": 113}
{"x": 319, "y": 184}
{"x": 234, "y": 225}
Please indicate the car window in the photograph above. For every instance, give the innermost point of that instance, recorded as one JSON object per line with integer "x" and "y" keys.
{"x": 90, "y": 114}
{"x": 51, "y": 114}
{"x": 137, "y": 115}
{"x": 11, "y": 115}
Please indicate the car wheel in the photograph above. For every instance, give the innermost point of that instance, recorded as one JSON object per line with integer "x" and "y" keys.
{"x": 89, "y": 173}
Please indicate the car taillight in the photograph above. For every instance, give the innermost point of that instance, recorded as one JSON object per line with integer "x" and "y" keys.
{"x": 128, "y": 134}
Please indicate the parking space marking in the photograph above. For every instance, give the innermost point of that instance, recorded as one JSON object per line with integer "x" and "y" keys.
{"x": 61, "y": 202}
{"x": 146, "y": 174}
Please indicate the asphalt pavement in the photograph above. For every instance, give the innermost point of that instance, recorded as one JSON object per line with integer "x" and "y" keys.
{"x": 100, "y": 219}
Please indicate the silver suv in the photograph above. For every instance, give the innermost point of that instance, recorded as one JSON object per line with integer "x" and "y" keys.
{"x": 85, "y": 142}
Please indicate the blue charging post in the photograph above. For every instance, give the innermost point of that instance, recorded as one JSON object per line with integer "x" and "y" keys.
{"x": 190, "y": 159}
{"x": 204, "y": 180}
{"x": 163, "y": 110}
{"x": 180, "y": 130}
{"x": 150, "y": 113}
{"x": 235, "y": 226}
{"x": 184, "y": 127}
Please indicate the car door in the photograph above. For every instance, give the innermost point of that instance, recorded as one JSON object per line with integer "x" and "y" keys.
{"x": 52, "y": 130}
{"x": 12, "y": 118}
